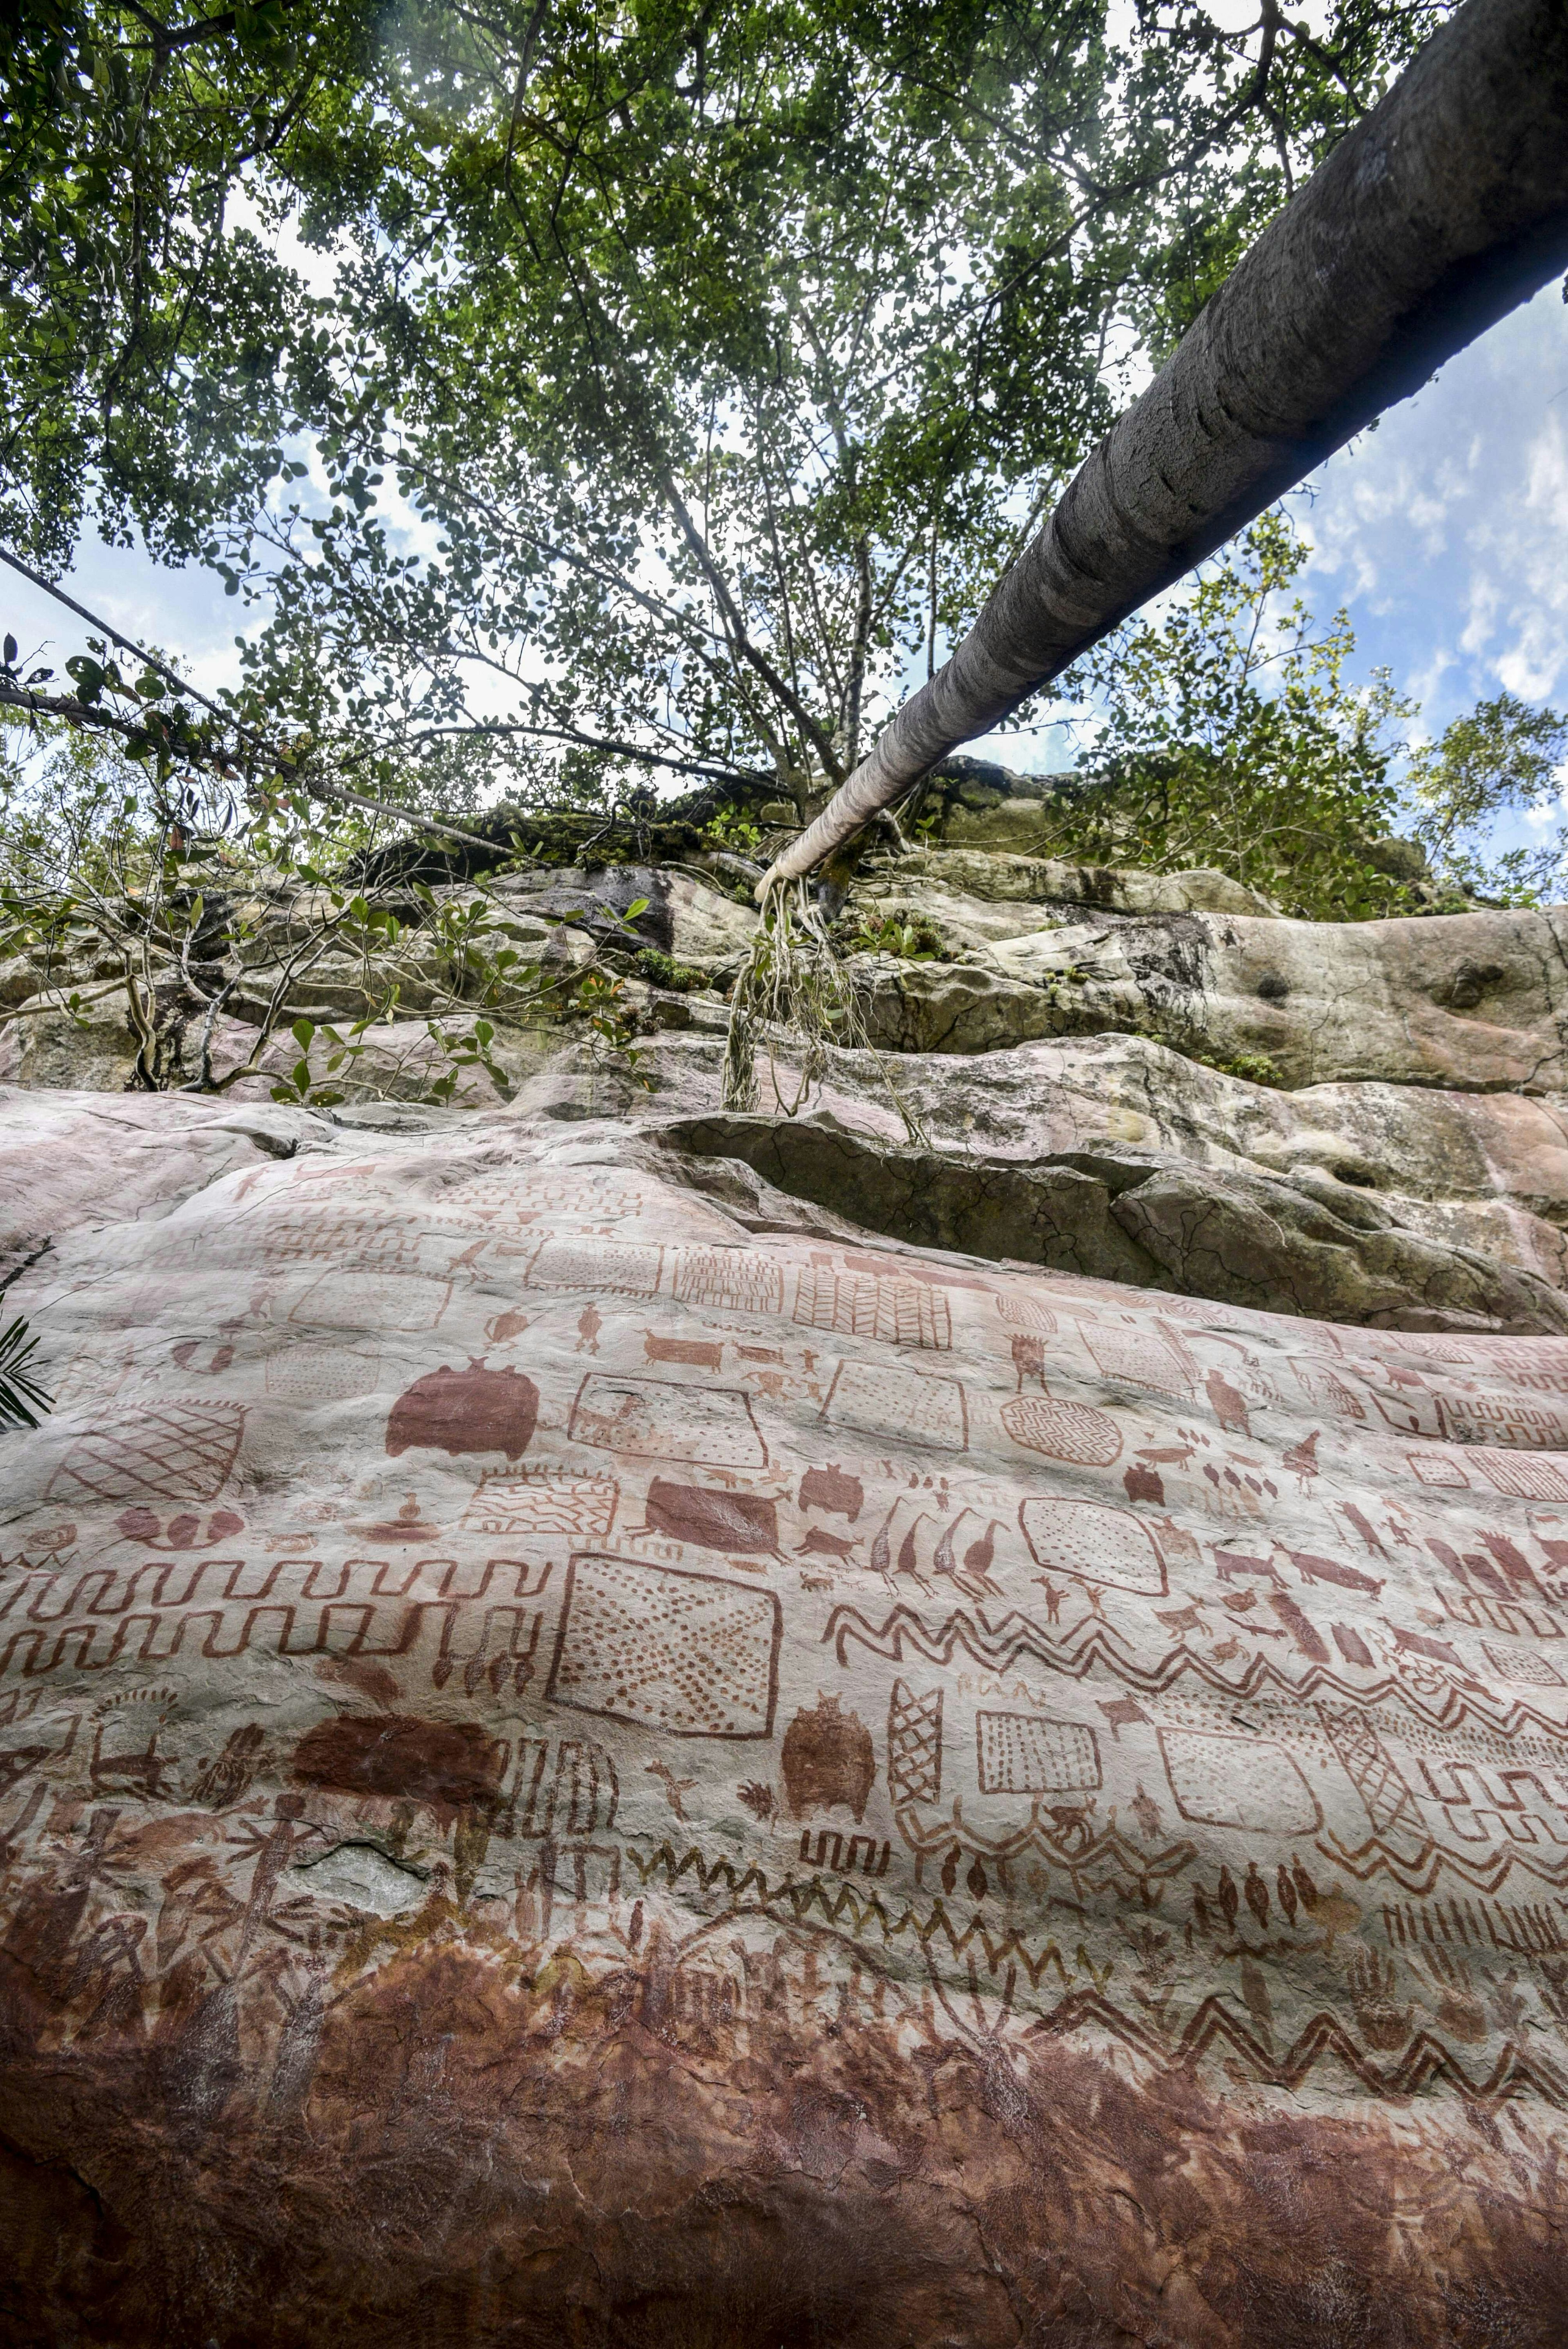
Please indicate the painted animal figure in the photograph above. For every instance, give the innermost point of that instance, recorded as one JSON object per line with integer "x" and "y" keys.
{"x": 831, "y": 1491}
{"x": 1418, "y": 1643}
{"x": 1302, "y": 1628}
{"x": 1228, "y": 1563}
{"x": 1313, "y": 1568}
{"x": 701, "y": 1353}
{"x": 1230, "y": 1405}
{"x": 974, "y": 1577}
{"x": 1121, "y": 1712}
{"x": 1182, "y": 1620}
{"x": 1301, "y": 1458}
{"x": 817, "y": 1544}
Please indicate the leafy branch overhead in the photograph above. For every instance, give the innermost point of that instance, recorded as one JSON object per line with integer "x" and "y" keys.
{"x": 595, "y": 395}
{"x": 586, "y": 405}
{"x": 215, "y": 929}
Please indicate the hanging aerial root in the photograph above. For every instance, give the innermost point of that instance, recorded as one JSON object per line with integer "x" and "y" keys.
{"x": 792, "y": 985}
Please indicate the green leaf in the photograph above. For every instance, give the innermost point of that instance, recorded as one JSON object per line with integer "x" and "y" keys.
{"x": 22, "y": 1398}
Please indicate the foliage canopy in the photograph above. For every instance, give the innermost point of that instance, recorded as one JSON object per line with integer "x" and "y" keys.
{"x": 599, "y": 392}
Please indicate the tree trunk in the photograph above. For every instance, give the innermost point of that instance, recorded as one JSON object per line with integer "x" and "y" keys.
{"x": 1443, "y": 209}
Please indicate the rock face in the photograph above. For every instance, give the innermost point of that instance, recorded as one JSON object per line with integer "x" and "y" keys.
{"x": 1327, "y": 1251}
{"x": 836, "y": 1792}
{"x": 1470, "y": 1001}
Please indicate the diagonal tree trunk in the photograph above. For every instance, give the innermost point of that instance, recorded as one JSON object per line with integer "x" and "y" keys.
{"x": 1442, "y": 209}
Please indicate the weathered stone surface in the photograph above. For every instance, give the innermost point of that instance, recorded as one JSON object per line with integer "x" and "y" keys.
{"x": 1321, "y": 1248}
{"x": 1470, "y": 1002}
{"x": 1003, "y": 876}
{"x": 1483, "y": 1173}
{"x": 886, "y": 1800}
{"x": 684, "y": 915}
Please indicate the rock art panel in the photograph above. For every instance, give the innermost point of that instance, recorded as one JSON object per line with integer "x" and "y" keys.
{"x": 983, "y": 1756}
{"x": 1238, "y": 1782}
{"x": 473, "y": 1409}
{"x": 1030, "y": 1753}
{"x": 1063, "y": 1431}
{"x": 654, "y": 1419}
{"x": 1093, "y": 1542}
{"x": 180, "y": 1450}
{"x": 690, "y": 1654}
{"x": 909, "y": 1407}
{"x": 728, "y": 1521}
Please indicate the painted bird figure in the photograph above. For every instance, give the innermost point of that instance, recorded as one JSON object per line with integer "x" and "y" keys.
{"x": 973, "y": 1579}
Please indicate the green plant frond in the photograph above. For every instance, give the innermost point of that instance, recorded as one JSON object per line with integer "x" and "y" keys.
{"x": 22, "y": 1398}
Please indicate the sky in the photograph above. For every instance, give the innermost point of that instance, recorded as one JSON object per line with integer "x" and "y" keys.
{"x": 1444, "y": 531}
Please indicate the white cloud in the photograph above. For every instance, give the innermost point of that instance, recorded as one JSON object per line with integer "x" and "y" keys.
{"x": 1446, "y": 530}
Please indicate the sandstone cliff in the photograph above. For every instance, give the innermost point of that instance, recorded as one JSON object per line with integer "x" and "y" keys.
{"x": 624, "y": 1725}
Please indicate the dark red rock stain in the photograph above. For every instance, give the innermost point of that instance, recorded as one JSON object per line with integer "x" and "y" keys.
{"x": 469, "y": 2163}
{"x": 827, "y": 1758}
{"x": 451, "y": 1765}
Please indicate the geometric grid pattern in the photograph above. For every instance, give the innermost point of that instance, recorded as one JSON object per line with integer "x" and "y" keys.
{"x": 1097, "y": 1543}
{"x": 898, "y": 1312}
{"x": 664, "y": 1419}
{"x": 734, "y": 1279}
{"x": 176, "y": 1450}
{"x": 1526, "y": 1476}
{"x": 1024, "y": 1313}
{"x": 1025, "y": 1754}
{"x": 1372, "y": 1771}
{"x": 913, "y": 1746}
{"x": 532, "y": 1500}
{"x": 1076, "y": 1432}
{"x": 1238, "y": 1782}
{"x": 606, "y": 1267}
{"x": 903, "y": 1407}
{"x": 1522, "y": 1665}
{"x": 692, "y": 1654}
{"x": 1140, "y": 1360}
{"x": 351, "y": 1243}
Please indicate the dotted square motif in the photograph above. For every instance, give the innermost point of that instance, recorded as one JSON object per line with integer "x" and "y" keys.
{"x": 1028, "y": 1754}
{"x": 692, "y": 1654}
{"x": 908, "y": 1407}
